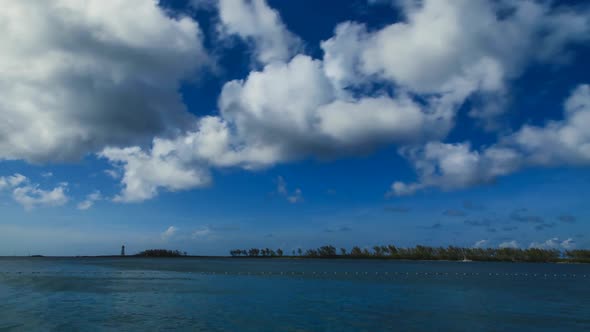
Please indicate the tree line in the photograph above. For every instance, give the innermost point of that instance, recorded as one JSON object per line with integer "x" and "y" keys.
{"x": 420, "y": 252}
{"x": 161, "y": 253}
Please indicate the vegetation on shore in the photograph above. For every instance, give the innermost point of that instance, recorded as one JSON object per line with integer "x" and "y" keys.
{"x": 429, "y": 253}
{"x": 161, "y": 253}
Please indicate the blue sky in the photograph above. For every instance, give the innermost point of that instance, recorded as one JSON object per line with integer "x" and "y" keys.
{"x": 207, "y": 125}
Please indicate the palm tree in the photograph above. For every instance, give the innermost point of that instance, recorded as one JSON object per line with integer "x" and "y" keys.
{"x": 356, "y": 252}
{"x": 327, "y": 251}
{"x": 377, "y": 250}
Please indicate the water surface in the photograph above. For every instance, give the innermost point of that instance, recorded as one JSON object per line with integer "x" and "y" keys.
{"x": 142, "y": 294}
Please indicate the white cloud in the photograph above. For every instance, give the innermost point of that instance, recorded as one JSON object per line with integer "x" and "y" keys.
{"x": 12, "y": 181}
{"x": 341, "y": 53}
{"x": 90, "y": 200}
{"x": 201, "y": 233}
{"x": 299, "y": 107}
{"x": 112, "y": 173}
{"x": 295, "y": 110}
{"x": 285, "y": 112}
{"x": 85, "y": 205}
{"x": 554, "y": 243}
{"x": 146, "y": 173}
{"x": 432, "y": 52}
{"x": 454, "y": 166}
{"x": 281, "y": 186}
{"x": 480, "y": 244}
{"x": 169, "y": 233}
{"x": 261, "y": 25}
{"x": 77, "y": 76}
{"x": 295, "y": 197}
{"x": 568, "y": 243}
{"x": 183, "y": 163}
{"x": 559, "y": 142}
{"x": 509, "y": 244}
{"x": 30, "y": 196}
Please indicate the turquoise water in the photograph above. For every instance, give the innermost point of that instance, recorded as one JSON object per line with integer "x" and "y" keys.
{"x": 131, "y": 294}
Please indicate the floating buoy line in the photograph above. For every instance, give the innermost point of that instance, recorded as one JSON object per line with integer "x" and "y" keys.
{"x": 307, "y": 274}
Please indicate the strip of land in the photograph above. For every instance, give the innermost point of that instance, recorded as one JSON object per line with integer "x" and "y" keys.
{"x": 419, "y": 252}
{"x": 390, "y": 252}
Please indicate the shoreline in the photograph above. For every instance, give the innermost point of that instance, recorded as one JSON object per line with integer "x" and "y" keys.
{"x": 565, "y": 261}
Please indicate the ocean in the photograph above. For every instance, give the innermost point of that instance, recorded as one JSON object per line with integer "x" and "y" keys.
{"x": 207, "y": 294}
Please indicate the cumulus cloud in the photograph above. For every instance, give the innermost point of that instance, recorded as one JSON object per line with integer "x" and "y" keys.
{"x": 30, "y": 196}
{"x": 480, "y": 244}
{"x": 298, "y": 107}
{"x": 294, "y": 108}
{"x": 295, "y": 197}
{"x": 78, "y": 76}
{"x": 560, "y": 142}
{"x": 145, "y": 173}
{"x": 431, "y": 51}
{"x": 90, "y": 200}
{"x": 554, "y": 243}
{"x": 210, "y": 232}
{"x": 453, "y": 166}
{"x": 282, "y": 113}
{"x": 509, "y": 244}
{"x": 201, "y": 232}
{"x": 12, "y": 181}
{"x": 256, "y": 22}
{"x": 568, "y": 243}
{"x": 169, "y": 233}
{"x": 183, "y": 162}
{"x": 112, "y": 173}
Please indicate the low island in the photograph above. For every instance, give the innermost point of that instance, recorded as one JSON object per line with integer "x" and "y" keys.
{"x": 390, "y": 252}
{"x": 420, "y": 252}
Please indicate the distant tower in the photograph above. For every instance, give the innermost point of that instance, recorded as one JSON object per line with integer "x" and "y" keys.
{"x": 123, "y": 250}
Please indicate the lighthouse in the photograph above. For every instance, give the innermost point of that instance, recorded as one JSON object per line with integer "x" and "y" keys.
{"x": 123, "y": 250}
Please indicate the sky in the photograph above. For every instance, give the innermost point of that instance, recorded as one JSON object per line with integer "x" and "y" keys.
{"x": 209, "y": 125}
